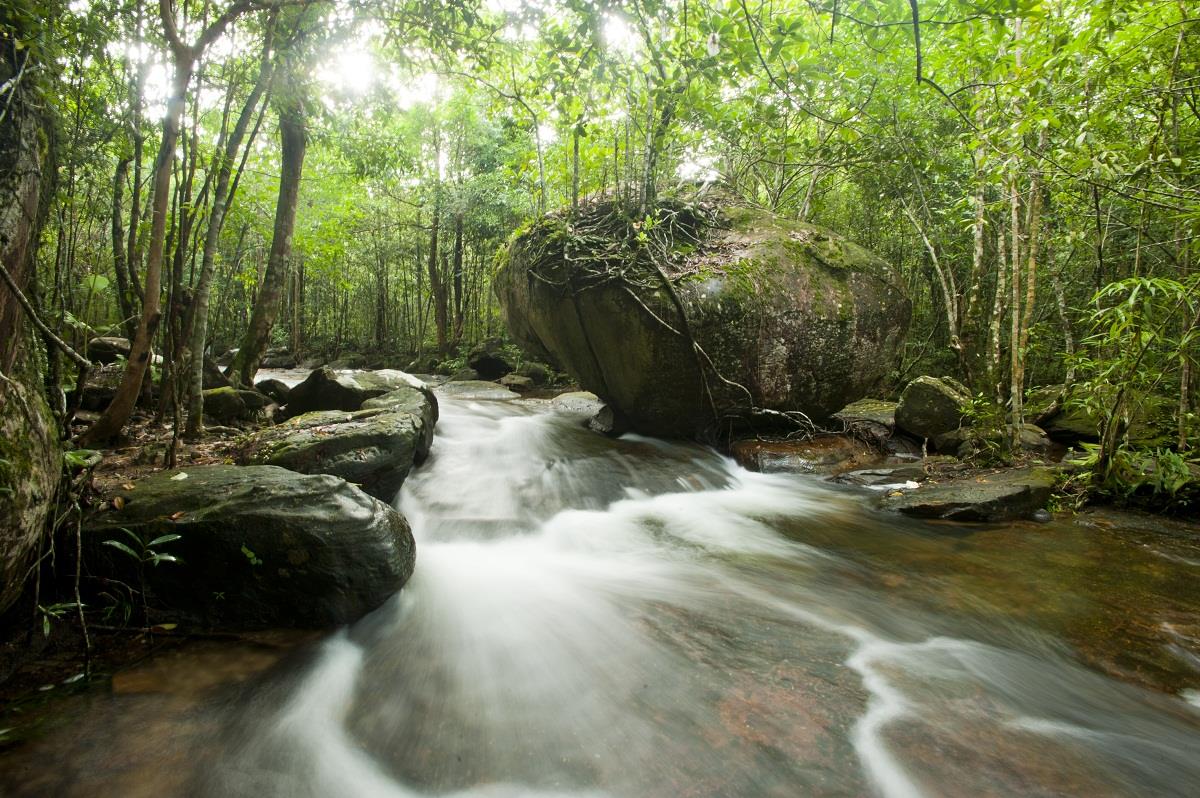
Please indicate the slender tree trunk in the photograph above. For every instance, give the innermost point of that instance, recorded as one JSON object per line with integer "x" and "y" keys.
{"x": 222, "y": 197}
{"x": 457, "y": 271}
{"x": 294, "y": 138}
{"x": 997, "y": 315}
{"x": 120, "y": 265}
{"x": 113, "y": 419}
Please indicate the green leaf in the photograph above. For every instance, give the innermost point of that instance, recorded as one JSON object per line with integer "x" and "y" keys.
{"x": 116, "y": 544}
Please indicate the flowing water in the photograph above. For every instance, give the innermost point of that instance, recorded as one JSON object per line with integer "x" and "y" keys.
{"x": 638, "y": 618}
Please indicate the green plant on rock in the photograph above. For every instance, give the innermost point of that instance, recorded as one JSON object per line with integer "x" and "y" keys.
{"x": 142, "y": 552}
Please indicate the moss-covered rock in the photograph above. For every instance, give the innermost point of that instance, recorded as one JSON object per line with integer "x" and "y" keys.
{"x": 224, "y": 405}
{"x": 258, "y": 546}
{"x": 375, "y": 447}
{"x": 930, "y": 406}
{"x": 787, "y": 317}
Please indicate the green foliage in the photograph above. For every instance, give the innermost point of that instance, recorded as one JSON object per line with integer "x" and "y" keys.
{"x": 142, "y": 551}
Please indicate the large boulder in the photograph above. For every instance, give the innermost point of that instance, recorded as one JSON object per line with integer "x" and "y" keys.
{"x": 276, "y": 389}
{"x": 787, "y": 316}
{"x": 224, "y": 405}
{"x": 258, "y": 546}
{"x": 107, "y": 349}
{"x": 374, "y": 447}
{"x": 930, "y": 406}
{"x": 327, "y": 389}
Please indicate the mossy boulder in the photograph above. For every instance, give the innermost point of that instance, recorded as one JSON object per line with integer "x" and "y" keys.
{"x": 258, "y": 546}
{"x": 224, "y": 405}
{"x": 328, "y": 389}
{"x": 374, "y": 447}
{"x": 787, "y": 316}
{"x": 930, "y": 406}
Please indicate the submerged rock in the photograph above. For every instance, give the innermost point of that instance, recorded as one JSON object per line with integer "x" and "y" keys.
{"x": 258, "y": 545}
{"x": 1003, "y": 496}
{"x": 791, "y": 316}
{"x": 828, "y": 454}
{"x": 931, "y": 406}
{"x": 476, "y": 389}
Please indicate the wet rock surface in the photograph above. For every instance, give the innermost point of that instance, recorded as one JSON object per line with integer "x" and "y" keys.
{"x": 1002, "y": 496}
{"x": 258, "y": 545}
{"x": 374, "y": 447}
{"x": 827, "y": 454}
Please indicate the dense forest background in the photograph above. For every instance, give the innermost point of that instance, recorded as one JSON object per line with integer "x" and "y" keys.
{"x": 333, "y": 177}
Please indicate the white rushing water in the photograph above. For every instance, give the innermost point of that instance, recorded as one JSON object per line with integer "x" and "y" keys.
{"x": 639, "y": 618}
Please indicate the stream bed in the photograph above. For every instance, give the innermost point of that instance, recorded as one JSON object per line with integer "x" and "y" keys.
{"x": 595, "y": 617}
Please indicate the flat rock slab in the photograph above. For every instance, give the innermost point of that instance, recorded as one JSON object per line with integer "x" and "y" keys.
{"x": 476, "y": 390}
{"x": 828, "y": 454}
{"x": 580, "y": 402}
{"x": 258, "y": 546}
{"x": 1004, "y": 496}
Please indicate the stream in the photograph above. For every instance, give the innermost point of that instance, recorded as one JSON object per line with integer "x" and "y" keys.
{"x": 633, "y": 617}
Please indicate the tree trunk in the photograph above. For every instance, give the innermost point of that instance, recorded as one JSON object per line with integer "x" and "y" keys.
{"x": 113, "y": 419}
{"x": 120, "y": 264}
{"x": 294, "y": 139}
{"x": 222, "y": 197}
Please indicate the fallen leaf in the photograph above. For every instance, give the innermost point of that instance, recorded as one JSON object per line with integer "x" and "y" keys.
{"x": 118, "y": 502}
{"x": 127, "y": 486}
{"x": 177, "y": 516}
{"x": 180, "y": 476}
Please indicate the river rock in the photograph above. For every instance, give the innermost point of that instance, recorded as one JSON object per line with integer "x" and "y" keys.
{"x": 100, "y": 387}
{"x": 489, "y": 361}
{"x": 578, "y": 402}
{"x": 107, "y": 349}
{"x": 374, "y": 448}
{"x": 224, "y": 405}
{"x": 259, "y": 546}
{"x": 276, "y": 389}
{"x": 827, "y": 454}
{"x": 277, "y": 359}
{"x": 931, "y": 406}
{"x": 793, "y": 317}
{"x": 477, "y": 389}
{"x": 516, "y": 382}
{"x": 1004, "y": 496}
{"x": 327, "y": 389}
{"x": 537, "y": 372}
{"x": 608, "y": 421}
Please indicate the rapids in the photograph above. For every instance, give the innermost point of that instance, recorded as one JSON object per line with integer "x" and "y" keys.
{"x": 593, "y": 617}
